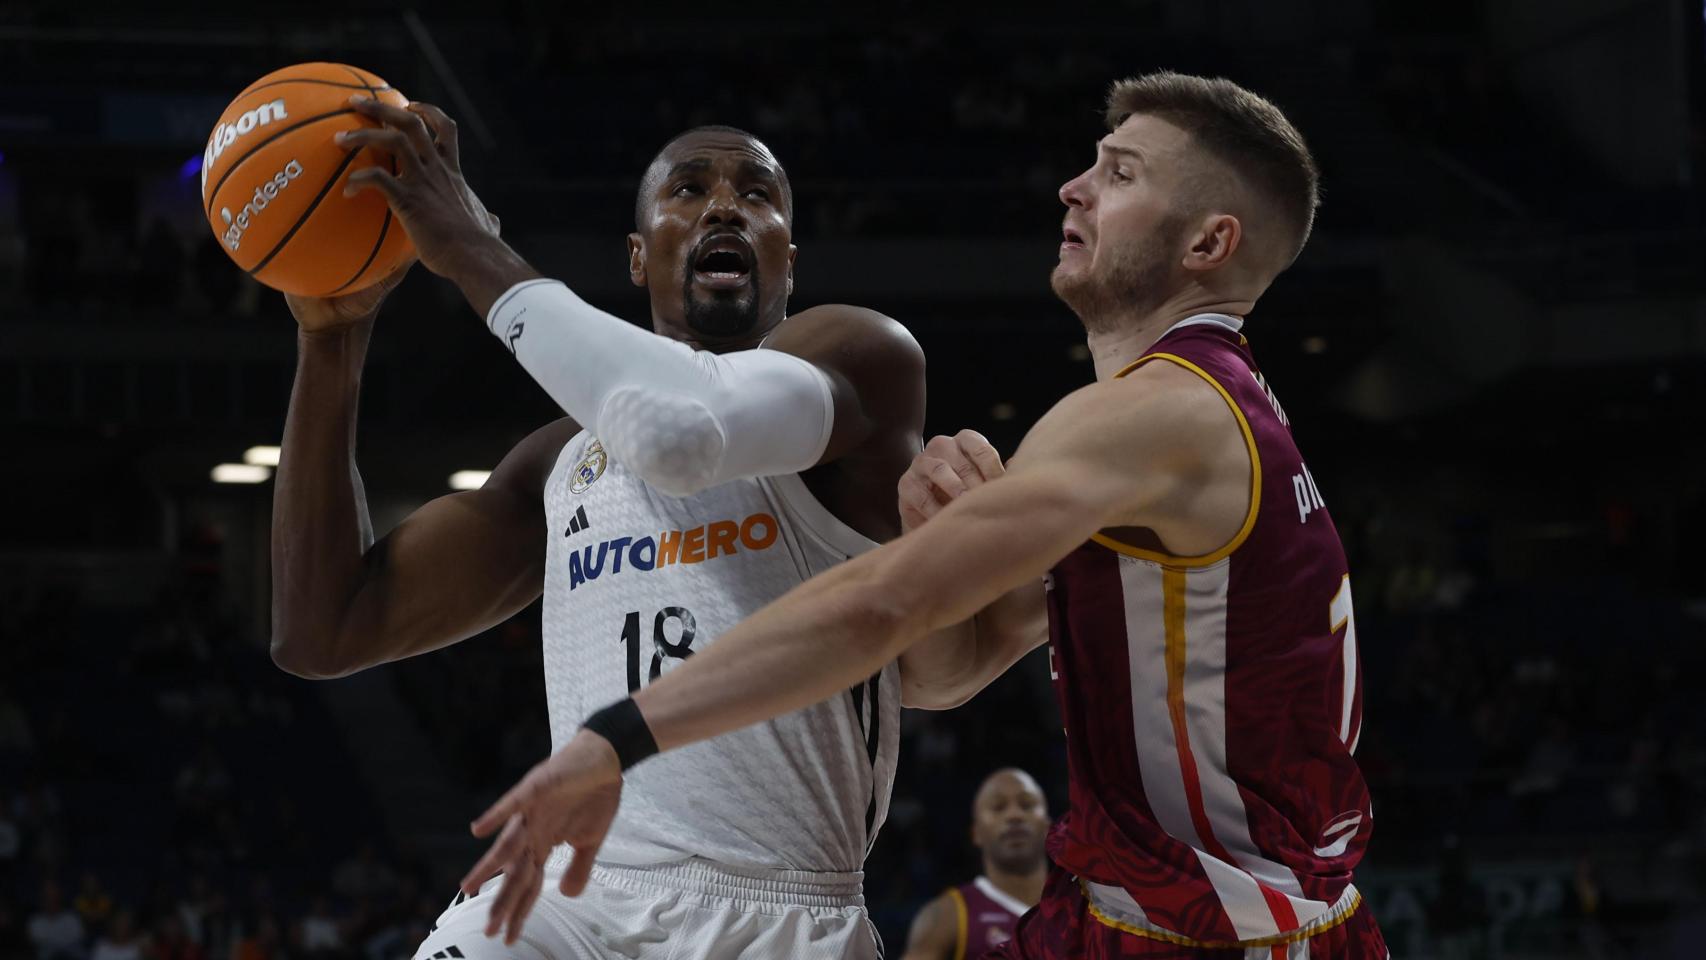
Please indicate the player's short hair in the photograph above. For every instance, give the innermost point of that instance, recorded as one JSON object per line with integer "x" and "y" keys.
{"x": 1242, "y": 130}
{"x": 654, "y": 170}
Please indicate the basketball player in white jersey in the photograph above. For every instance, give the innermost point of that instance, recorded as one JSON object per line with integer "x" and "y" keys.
{"x": 703, "y": 471}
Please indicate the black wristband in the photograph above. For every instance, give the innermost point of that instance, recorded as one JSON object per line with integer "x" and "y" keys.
{"x": 624, "y": 726}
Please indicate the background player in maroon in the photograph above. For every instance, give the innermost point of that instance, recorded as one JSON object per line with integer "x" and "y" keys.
{"x": 1009, "y": 823}
{"x": 1200, "y": 614}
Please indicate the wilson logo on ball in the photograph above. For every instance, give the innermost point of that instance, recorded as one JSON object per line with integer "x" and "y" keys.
{"x": 226, "y": 134}
{"x": 264, "y": 194}
{"x": 312, "y": 241}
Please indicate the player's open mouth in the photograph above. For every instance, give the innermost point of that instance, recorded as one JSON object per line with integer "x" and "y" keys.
{"x": 1071, "y": 240}
{"x": 723, "y": 263}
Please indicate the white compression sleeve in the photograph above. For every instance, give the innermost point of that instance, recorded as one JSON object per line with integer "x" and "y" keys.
{"x": 683, "y": 419}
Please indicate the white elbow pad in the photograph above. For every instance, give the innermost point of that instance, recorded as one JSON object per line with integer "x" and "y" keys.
{"x": 683, "y": 420}
{"x": 674, "y": 442}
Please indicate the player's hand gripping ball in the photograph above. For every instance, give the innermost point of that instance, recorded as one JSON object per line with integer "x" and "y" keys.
{"x": 426, "y": 189}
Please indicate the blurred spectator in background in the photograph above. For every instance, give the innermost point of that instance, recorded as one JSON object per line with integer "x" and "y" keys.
{"x": 93, "y": 904}
{"x": 321, "y": 933}
{"x": 260, "y": 944}
{"x": 120, "y": 942}
{"x": 192, "y": 911}
{"x": 55, "y": 929}
{"x": 363, "y": 877}
{"x": 170, "y": 942}
{"x": 218, "y": 926}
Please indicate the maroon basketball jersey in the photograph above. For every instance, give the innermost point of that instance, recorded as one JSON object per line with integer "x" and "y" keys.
{"x": 987, "y": 917}
{"x": 1212, "y": 704}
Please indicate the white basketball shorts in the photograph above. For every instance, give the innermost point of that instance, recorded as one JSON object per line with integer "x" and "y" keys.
{"x": 691, "y": 910}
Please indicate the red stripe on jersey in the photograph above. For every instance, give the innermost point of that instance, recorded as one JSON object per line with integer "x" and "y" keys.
{"x": 1173, "y": 599}
{"x": 1284, "y": 916}
{"x": 1173, "y": 607}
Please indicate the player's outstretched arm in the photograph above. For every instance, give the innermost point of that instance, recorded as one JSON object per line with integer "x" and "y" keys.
{"x": 950, "y": 666}
{"x": 1132, "y": 452}
{"x": 1060, "y": 488}
{"x": 458, "y": 565}
{"x": 935, "y": 931}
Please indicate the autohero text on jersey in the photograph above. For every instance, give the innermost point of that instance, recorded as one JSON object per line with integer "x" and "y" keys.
{"x": 695, "y": 545}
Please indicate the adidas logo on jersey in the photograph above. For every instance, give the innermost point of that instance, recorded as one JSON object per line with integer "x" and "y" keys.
{"x": 226, "y": 134}
{"x": 448, "y": 953}
{"x": 757, "y": 532}
{"x": 264, "y": 194}
{"x": 577, "y": 523}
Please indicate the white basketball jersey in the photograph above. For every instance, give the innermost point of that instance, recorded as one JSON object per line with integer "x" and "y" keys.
{"x": 636, "y": 581}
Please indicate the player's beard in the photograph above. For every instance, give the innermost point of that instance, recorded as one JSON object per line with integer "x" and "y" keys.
{"x": 1022, "y": 860}
{"x": 723, "y": 313}
{"x": 1133, "y": 284}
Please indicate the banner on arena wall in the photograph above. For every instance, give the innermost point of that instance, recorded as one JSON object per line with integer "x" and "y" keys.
{"x": 1512, "y": 894}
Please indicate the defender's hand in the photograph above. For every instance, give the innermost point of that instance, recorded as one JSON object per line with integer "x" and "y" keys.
{"x": 948, "y": 467}
{"x": 571, "y": 797}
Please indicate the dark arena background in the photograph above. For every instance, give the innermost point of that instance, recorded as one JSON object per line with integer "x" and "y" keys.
{"x": 1493, "y": 352}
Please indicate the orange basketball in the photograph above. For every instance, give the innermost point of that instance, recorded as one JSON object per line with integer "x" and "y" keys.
{"x": 272, "y": 183}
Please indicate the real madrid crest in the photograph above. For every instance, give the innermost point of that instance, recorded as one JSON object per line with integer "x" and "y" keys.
{"x": 589, "y": 469}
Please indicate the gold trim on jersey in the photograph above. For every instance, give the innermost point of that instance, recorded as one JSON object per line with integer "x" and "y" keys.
{"x": 960, "y": 913}
{"x": 1315, "y": 928}
{"x": 1255, "y": 479}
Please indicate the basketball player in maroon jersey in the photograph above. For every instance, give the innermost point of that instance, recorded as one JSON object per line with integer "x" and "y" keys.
{"x": 1200, "y": 619}
{"x": 1009, "y": 822}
